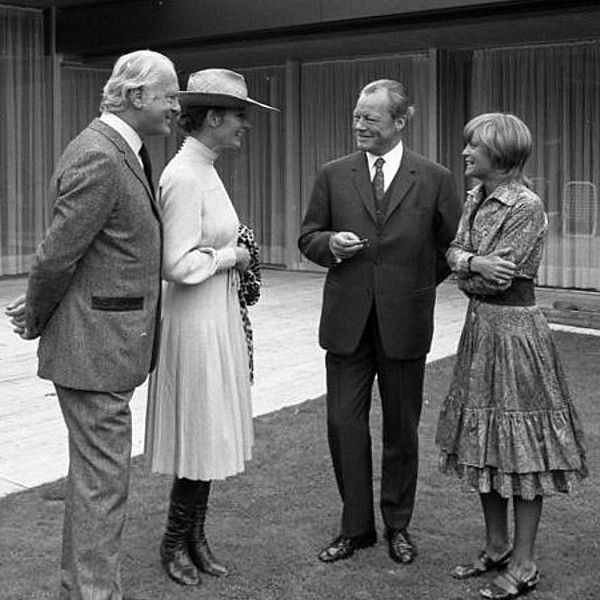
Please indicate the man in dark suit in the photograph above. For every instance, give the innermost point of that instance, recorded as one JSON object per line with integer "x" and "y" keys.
{"x": 93, "y": 300}
{"x": 380, "y": 220}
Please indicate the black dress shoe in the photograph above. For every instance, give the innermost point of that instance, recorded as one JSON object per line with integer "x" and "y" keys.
{"x": 401, "y": 547}
{"x": 344, "y": 547}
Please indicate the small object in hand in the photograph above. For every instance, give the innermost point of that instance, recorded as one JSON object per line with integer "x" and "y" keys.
{"x": 364, "y": 242}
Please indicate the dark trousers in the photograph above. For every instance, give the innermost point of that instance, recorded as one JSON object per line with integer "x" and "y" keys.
{"x": 99, "y": 426}
{"x": 349, "y": 386}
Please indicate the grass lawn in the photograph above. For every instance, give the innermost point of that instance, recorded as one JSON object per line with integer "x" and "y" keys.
{"x": 270, "y": 522}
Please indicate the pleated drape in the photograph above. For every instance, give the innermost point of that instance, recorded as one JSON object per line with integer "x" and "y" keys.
{"x": 25, "y": 137}
{"x": 556, "y": 91}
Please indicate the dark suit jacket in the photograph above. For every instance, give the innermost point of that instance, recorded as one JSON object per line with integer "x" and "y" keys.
{"x": 404, "y": 262}
{"x": 94, "y": 286}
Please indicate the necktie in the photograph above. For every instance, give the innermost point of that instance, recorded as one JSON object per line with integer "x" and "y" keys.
{"x": 147, "y": 165}
{"x": 378, "y": 181}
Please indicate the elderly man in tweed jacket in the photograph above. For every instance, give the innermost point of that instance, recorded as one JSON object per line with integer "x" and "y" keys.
{"x": 93, "y": 300}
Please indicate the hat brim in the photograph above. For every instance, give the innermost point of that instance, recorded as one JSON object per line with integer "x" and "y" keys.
{"x": 220, "y": 100}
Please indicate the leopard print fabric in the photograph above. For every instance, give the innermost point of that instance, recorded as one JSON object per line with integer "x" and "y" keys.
{"x": 249, "y": 290}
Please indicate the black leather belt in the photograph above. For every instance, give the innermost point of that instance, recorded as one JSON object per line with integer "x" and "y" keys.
{"x": 520, "y": 293}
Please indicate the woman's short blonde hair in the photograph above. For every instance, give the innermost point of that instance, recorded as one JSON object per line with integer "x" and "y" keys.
{"x": 506, "y": 139}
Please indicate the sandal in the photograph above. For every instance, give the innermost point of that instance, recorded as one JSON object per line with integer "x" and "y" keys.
{"x": 483, "y": 564}
{"x": 508, "y": 586}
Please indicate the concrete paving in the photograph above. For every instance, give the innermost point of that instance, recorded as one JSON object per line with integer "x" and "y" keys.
{"x": 289, "y": 369}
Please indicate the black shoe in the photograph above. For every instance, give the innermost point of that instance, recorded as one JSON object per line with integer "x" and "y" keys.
{"x": 344, "y": 547}
{"x": 401, "y": 548}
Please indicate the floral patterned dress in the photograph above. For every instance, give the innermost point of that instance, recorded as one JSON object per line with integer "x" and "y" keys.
{"x": 508, "y": 422}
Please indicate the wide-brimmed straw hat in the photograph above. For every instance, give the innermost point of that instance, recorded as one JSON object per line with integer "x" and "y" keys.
{"x": 218, "y": 87}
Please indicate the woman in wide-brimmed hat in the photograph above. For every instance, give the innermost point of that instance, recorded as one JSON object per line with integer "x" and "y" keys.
{"x": 199, "y": 424}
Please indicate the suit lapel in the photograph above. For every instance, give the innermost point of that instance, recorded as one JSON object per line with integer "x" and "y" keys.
{"x": 362, "y": 182}
{"x": 130, "y": 159}
{"x": 403, "y": 181}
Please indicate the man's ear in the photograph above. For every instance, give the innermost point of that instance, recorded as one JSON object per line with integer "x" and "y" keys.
{"x": 136, "y": 97}
{"x": 400, "y": 123}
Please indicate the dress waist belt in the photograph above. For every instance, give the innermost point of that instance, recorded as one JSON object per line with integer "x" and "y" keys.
{"x": 520, "y": 293}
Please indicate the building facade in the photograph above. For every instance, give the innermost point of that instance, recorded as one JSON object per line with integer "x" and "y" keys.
{"x": 538, "y": 60}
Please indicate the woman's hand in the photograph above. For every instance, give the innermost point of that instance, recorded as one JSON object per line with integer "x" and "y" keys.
{"x": 494, "y": 268}
{"x": 242, "y": 258}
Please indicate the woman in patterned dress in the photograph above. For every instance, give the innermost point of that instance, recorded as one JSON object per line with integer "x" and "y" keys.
{"x": 508, "y": 426}
{"x": 199, "y": 421}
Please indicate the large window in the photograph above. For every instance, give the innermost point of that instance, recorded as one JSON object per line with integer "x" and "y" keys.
{"x": 556, "y": 91}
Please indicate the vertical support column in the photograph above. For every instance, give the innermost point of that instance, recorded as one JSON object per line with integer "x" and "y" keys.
{"x": 293, "y": 163}
{"x": 54, "y": 148}
{"x": 434, "y": 147}
{"x": 55, "y": 62}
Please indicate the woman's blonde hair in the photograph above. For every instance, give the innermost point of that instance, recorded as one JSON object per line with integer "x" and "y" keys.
{"x": 506, "y": 139}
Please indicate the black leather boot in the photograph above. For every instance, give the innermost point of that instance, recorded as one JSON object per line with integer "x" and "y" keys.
{"x": 200, "y": 551}
{"x": 174, "y": 552}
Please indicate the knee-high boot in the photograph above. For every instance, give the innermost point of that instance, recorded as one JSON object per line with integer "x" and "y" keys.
{"x": 200, "y": 551}
{"x": 174, "y": 552}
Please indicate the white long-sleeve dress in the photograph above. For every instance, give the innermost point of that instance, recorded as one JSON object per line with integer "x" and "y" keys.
{"x": 199, "y": 415}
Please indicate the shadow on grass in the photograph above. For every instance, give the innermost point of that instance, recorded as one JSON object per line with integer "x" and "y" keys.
{"x": 270, "y": 522}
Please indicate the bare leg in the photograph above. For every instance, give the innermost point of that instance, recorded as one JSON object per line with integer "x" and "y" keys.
{"x": 496, "y": 524}
{"x": 521, "y": 574}
{"x": 497, "y": 549}
{"x": 527, "y": 515}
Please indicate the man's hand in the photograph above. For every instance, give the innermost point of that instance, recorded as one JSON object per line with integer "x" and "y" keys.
{"x": 15, "y": 311}
{"x": 345, "y": 244}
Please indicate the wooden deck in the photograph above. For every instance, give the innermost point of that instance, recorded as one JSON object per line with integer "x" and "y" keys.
{"x": 289, "y": 370}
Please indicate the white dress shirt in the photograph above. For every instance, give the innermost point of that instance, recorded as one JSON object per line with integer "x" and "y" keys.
{"x": 126, "y": 131}
{"x": 392, "y": 159}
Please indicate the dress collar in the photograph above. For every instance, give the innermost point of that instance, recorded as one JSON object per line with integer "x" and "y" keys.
{"x": 507, "y": 193}
{"x": 191, "y": 144}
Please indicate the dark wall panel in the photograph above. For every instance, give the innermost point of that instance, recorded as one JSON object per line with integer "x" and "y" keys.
{"x": 334, "y": 10}
{"x": 136, "y": 23}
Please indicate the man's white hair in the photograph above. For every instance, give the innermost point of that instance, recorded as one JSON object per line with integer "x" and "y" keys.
{"x": 133, "y": 70}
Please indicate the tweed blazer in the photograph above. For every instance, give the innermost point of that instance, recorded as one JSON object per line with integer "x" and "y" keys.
{"x": 94, "y": 287}
{"x": 399, "y": 270}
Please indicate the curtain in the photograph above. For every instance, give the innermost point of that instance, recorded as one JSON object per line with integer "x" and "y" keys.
{"x": 254, "y": 176}
{"x": 80, "y": 91}
{"x": 25, "y": 137}
{"x": 556, "y": 91}
{"x": 328, "y": 94}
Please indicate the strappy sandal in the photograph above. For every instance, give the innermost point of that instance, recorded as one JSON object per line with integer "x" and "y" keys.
{"x": 508, "y": 586}
{"x": 483, "y": 564}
